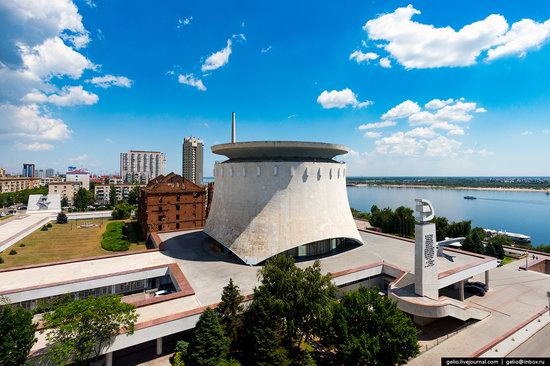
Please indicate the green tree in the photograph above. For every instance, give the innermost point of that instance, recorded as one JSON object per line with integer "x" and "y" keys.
{"x": 122, "y": 211}
{"x": 209, "y": 345}
{"x": 369, "y": 329}
{"x": 80, "y": 329}
{"x": 264, "y": 332}
{"x": 405, "y": 220}
{"x": 490, "y": 250}
{"x": 458, "y": 229}
{"x": 83, "y": 198}
{"x": 112, "y": 195}
{"x": 62, "y": 218}
{"x": 133, "y": 195}
{"x": 64, "y": 202}
{"x": 441, "y": 225}
{"x": 16, "y": 334}
{"x": 498, "y": 241}
{"x": 230, "y": 312}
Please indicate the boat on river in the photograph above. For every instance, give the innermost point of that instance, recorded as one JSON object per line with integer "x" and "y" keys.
{"x": 470, "y": 198}
{"x": 516, "y": 238}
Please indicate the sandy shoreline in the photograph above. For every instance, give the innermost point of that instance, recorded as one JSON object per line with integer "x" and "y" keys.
{"x": 502, "y": 189}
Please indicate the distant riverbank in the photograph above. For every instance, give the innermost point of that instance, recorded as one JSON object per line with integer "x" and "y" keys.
{"x": 502, "y": 189}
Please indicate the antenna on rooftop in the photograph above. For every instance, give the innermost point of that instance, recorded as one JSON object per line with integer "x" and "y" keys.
{"x": 233, "y": 129}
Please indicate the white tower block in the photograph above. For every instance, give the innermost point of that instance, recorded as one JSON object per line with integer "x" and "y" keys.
{"x": 425, "y": 252}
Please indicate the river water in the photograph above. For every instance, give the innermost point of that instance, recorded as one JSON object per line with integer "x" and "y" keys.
{"x": 519, "y": 212}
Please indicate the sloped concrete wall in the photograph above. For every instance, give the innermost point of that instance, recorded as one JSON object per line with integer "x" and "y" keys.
{"x": 261, "y": 209}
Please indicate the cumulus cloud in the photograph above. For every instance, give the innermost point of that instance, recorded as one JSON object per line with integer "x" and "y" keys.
{"x": 385, "y": 62}
{"x": 31, "y": 122}
{"x": 359, "y": 56}
{"x": 372, "y": 134}
{"x": 382, "y": 124}
{"x": 437, "y": 103}
{"x": 34, "y": 146}
{"x": 185, "y": 21}
{"x": 340, "y": 99}
{"x": 480, "y": 152}
{"x": 406, "y": 144}
{"x": 54, "y": 58}
{"x": 417, "y": 45}
{"x": 69, "y": 96}
{"x": 217, "y": 59}
{"x": 190, "y": 79}
{"x": 106, "y": 81}
{"x": 402, "y": 110}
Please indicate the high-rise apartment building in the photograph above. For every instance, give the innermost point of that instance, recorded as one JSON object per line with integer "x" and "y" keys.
{"x": 192, "y": 159}
{"x": 50, "y": 172}
{"x": 141, "y": 166}
{"x": 28, "y": 170}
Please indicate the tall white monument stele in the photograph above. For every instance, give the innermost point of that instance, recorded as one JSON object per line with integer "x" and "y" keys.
{"x": 425, "y": 251}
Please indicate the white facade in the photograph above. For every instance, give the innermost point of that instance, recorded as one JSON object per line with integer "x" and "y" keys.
{"x": 79, "y": 176}
{"x": 141, "y": 166}
{"x": 263, "y": 208}
{"x": 192, "y": 153}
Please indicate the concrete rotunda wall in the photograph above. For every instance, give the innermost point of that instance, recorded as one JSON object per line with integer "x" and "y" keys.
{"x": 261, "y": 209}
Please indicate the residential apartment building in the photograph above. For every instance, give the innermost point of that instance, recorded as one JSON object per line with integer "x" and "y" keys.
{"x": 50, "y": 173}
{"x": 141, "y": 166}
{"x": 65, "y": 189}
{"x": 171, "y": 203}
{"x": 79, "y": 175}
{"x": 102, "y": 192}
{"x": 28, "y": 170}
{"x": 14, "y": 184}
{"x": 2, "y": 172}
{"x": 192, "y": 153}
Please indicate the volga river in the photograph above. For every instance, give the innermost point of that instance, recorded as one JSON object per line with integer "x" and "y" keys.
{"x": 519, "y": 212}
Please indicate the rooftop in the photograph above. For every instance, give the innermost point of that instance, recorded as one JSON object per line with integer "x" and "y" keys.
{"x": 269, "y": 150}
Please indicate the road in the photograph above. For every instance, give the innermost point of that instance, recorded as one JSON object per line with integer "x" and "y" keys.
{"x": 536, "y": 346}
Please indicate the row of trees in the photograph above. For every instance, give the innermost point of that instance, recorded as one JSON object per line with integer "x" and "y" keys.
{"x": 401, "y": 222}
{"x": 291, "y": 309}
{"x": 76, "y": 331}
{"x": 12, "y": 198}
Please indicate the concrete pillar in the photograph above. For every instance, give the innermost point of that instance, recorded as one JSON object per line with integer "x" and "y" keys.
{"x": 487, "y": 279}
{"x": 461, "y": 290}
{"x": 425, "y": 256}
{"x": 109, "y": 359}
{"x": 159, "y": 346}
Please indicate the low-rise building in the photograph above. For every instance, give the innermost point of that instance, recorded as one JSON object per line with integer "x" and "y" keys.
{"x": 102, "y": 192}
{"x": 79, "y": 175}
{"x": 64, "y": 189}
{"x": 15, "y": 184}
{"x": 171, "y": 203}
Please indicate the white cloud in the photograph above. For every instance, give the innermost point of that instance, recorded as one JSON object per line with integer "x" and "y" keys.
{"x": 31, "y": 122}
{"x": 78, "y": 40}
{"x": 217, "y": 59}
{"x": 480, "y": 110}
{"x": 383, "y": 124}
{"x": 402, "y": 110}
{"x": 239, "y": 37}
{"x": 55, "y": 58}
{"x": 480, "y": 152}
{"x": 185, "y": 21}
{"x": 190, "y": 79}
{"x": 457, "y": 112}
{"x": 398, "y": 144}
{"x": 34, "y": 146}
{"x": 437, "y": 103}
{"x": 359, "y": 56}
{"x": 385, "y": 62}
{"x": 107, "y": 81}
{"x": 545, "y": 131}
{"x": 418, "y": 45}
{"x": 292, "y": 116}
{"x": 69, "y": 96}
{"x": 372, "y": 134}
{"x": 422, "y": 132}
{"x": 340, "y": 99}
{"x": 526, "y": 133}
{"x": 266, "y": 49}
{"x": 522, "y": 36}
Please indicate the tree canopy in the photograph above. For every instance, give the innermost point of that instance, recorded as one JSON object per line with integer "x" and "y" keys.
{"x": 16, "y": 334}
{"x": 230, "y": 312}
{"x": 78, "y": 330}
{"x": 208, "y": 345}
{"x": 83, "y": 198}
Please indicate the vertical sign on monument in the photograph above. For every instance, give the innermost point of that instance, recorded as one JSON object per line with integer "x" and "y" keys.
{"x": 425, "y": 251}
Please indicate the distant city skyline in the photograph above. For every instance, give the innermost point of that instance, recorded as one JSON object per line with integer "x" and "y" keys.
{"x": 412, "y": 88}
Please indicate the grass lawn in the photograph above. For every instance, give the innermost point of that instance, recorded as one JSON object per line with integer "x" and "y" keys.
{"x": 5, "y": 217}
{"x": 66, "y": 241}
{"x": 507, "y": 260}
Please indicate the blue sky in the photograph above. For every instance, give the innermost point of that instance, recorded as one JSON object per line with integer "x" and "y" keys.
{"x": 411, "y": 87}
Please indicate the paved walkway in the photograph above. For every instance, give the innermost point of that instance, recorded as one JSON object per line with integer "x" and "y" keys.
{"x": 21, "y": 226}
{"x": 536, "y": 345}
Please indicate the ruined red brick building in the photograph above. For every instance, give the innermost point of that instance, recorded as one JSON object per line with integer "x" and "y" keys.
{"x": 170, "y": 203}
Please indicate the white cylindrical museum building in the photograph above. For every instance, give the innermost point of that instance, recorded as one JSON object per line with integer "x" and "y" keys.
{"x": 272, "y": 197}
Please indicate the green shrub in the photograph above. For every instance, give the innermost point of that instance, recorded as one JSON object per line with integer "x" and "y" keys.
{"x": 13, "y": 252}
{"x": 44, "y": 228}
{"x": 62, "y": 218}
{"x": 1, "y": 260}
{"x": 22, "y": 245}
{"x": 49, "y": 224}
{"x": 115, "y": 237}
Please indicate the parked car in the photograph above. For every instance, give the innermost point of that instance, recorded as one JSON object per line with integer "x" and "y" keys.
{"x": 499, "y": 263}
{"x": 480, "y": 284}
{"x": 475, "y": 289}
{"x": 22, "y": 207}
